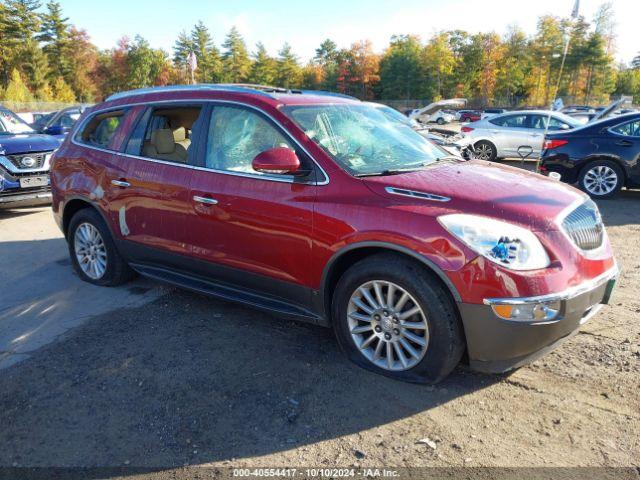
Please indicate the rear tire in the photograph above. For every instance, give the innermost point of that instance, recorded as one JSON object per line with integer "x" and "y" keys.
{"x": 601, "y": 179}
{"x": 440, "y": 121}
{"x": 430, "y": 340}
{"x": 93, "y": 253}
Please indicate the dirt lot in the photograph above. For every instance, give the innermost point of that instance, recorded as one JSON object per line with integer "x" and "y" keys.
{"x": 176, "y": 378}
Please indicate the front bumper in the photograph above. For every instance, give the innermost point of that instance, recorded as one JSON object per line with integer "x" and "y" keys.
{"x": 496, "y": 345}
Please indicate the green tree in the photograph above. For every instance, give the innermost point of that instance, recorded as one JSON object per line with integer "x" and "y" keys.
{"x": 209, "y": 63}
{"x": 235, "y": 57}
{"x": 514, "y": 68}
{"x": 401, "y": 72}
{"x": 439, "y": 62}
{"x": 34, "y": 64}
{"x": 288, "y": 71}
{"x": 263, "y": 69}
{"x": 54, "y": 35}
{"x": 635, "y": 63}
{"x": 144, "y": 63}
{"x": 327, "y": 58}
{"x": 19, "y": 22}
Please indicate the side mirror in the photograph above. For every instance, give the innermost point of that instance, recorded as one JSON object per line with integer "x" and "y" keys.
{"x": 277, "y": 161}
{"x": 57, "y": 130}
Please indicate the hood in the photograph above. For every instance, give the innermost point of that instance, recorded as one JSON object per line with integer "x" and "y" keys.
{"x": 27, "y": 143}
{"x": 487, "y": 189}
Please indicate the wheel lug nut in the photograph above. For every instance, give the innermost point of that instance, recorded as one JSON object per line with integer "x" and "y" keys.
{"x": 396, "y": 331}
{"x": 395, "y": 320}
{"x": 387, "y": 336}
{"x": 385, "y": 313}
{"x": 376, "y": 317}
{"x": 378, "y": 329}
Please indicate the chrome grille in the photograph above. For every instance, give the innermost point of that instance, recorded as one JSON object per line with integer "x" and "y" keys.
{"x": 38, "y": 160}
{"x": 584, "y": 226}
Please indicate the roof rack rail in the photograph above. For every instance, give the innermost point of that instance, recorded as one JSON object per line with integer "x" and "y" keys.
{"x": 266, "y": 90}
{"x": 263, "y": 88}
{"x": 324, "y": 93}
{"x": 226, "y": 87}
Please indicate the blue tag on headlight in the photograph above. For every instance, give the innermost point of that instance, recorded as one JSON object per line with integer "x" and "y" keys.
{"x": 505, "y": 250}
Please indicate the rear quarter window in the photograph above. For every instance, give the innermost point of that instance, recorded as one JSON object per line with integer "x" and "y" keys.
{"x": 100, "y": 129}
{"x": 630, "y": 129}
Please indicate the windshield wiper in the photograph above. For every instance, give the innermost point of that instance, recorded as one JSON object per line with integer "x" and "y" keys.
{"x": 390, "y": 171}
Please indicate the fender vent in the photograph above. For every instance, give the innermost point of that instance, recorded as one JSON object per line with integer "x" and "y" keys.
{"x": 421, "y": 195}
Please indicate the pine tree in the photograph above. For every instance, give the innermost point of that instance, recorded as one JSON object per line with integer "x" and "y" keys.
{"x": 635, "y": 63}
{"x": 263, "y": 70}
{"x": 235, "y": 58}
{"x": 19, "y": 22}
{"x": 34, "y": 64}
{"x": 54, "y": 35}
{"x": 209, "y": 63}
{"x": 182, "y": 48}
{"x": 288, "y": 71}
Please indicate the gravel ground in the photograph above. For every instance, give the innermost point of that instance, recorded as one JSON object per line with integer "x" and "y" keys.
{"x": 188, "y": 380}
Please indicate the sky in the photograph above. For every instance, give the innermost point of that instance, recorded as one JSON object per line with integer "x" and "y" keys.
{"x": 305, "y": 24}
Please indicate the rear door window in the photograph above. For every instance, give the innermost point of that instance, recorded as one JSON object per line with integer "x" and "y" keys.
{"x": 511, "y": 121}
{"x": 165, "y": 133}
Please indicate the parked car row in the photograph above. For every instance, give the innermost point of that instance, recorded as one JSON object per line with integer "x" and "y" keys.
{"x": 25, "y": 154}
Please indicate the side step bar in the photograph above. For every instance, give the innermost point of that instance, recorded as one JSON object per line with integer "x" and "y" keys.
{"x": 227, "y": 292}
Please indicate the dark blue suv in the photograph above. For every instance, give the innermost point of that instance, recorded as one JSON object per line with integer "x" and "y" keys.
{"x": 24, "y": 163}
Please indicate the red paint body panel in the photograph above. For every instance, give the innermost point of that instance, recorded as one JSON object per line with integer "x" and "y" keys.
{"x": 289, "y": 231}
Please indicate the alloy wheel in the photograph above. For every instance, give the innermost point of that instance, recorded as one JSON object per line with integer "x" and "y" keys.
{"x": 387, "y": 325}
{"x": 484, "y": 151}
{"x": 600, "y": 180}
{"x": 90, "y": 251}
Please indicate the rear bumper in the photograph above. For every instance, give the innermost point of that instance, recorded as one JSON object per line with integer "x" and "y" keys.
{"x": 30, "y": 199}
{"x": 496, "y": 345}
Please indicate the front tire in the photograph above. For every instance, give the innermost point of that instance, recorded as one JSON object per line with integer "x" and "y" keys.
{"x": 486, "y": 151}
{"x": 93, "y": 253}
{"x": 440, "y": 121}
{"x": 601, "y": 179}
{"x": 391, "y": 317}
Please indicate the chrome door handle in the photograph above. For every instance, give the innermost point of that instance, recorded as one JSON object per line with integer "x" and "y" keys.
{"x": 206, "y": 200}
{"x": 120, "y": 183}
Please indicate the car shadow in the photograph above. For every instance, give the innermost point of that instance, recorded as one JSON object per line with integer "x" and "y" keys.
{"x": 20, "y": 212}
{"x": 189, "y": 379}
{"x": 623, "y": 209}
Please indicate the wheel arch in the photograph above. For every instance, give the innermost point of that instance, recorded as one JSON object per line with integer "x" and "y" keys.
{"x": 610, "y": 158}
{"x": 343, "y": 259}
{"x": 72, "y": 206}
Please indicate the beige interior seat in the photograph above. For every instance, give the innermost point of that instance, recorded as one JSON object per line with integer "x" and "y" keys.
{"x": 163, "y": 147}
{"x": 181, "y": 140}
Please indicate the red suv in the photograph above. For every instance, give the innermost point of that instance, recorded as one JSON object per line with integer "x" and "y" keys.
{"x": 322, "y": 208}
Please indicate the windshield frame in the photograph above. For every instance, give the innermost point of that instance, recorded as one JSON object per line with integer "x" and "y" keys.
{"x": 407, "y": 140}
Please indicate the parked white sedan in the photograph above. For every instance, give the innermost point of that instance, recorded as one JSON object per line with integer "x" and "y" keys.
{"x": 502, "y": 135}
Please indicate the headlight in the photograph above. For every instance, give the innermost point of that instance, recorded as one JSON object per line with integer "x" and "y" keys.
{"x": 503, "y": 243}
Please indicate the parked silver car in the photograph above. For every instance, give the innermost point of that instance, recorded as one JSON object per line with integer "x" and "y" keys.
{"x": 502, "y": 135}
